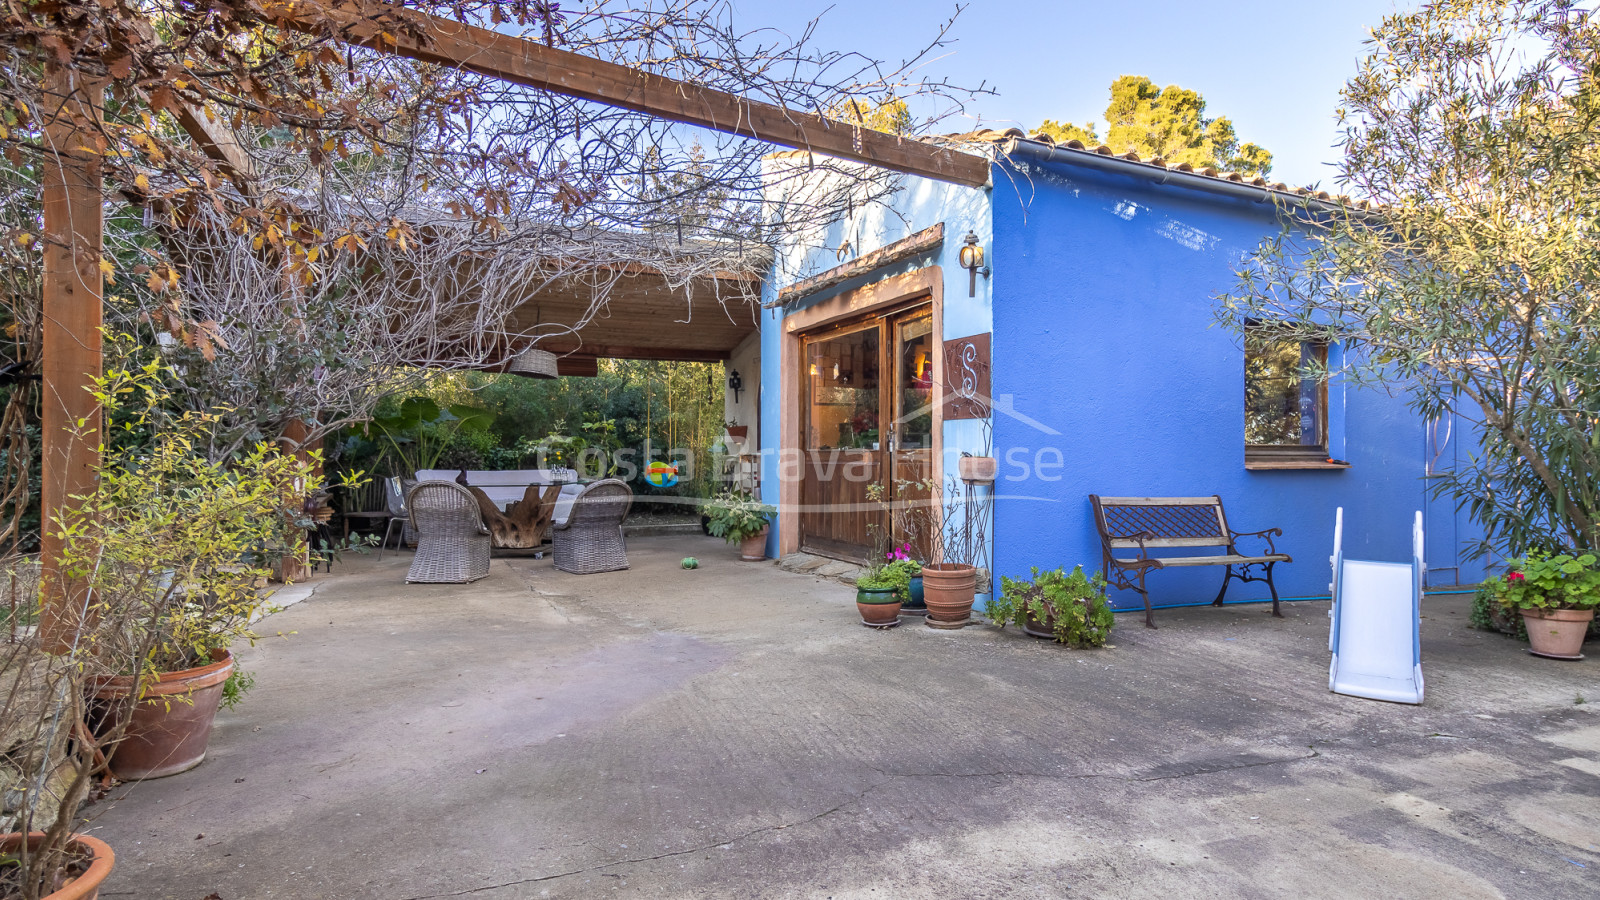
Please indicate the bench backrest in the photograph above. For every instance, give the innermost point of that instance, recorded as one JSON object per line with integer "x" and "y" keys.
{"x": 1175, "y": 521}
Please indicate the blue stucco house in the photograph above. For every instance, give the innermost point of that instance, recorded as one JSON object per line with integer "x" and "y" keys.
{"x": 1104, "y": 374}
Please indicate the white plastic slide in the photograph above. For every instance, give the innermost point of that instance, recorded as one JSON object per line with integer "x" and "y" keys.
{"x": 1376, "y": 636}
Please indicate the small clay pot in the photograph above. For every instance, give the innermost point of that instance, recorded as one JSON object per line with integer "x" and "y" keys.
{"x": 978, "y": 469}
{"x": 1558, "y": 633}
{"x": 878, "y": 606}
{"x": 948, "y": 589}
{"x": 754, "y": 547}
{"x": 1032, "y": 625}
{"x": 171, "y": 725}
{"x": 85, "y": 886}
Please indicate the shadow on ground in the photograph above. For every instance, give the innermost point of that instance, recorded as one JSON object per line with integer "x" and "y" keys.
{"x": 732, "y": 732}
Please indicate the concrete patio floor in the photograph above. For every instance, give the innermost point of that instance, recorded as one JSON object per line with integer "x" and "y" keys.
{"x": 732, "y": 732}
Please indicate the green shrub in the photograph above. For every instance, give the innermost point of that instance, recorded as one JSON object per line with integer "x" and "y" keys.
{"x": 875, "y": 580}
{"x": 1073, "y": 605}
{"x": 734, "y": 516}
{"x": 900, "y": 572}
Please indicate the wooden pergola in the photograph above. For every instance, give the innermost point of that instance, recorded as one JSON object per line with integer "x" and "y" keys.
{"x": 73, "y": 290}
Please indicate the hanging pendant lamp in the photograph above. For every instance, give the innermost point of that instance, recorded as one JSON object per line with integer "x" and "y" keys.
{"x": 533, "y": 363}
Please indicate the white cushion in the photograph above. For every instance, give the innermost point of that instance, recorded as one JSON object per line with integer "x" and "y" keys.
{"x": 569, "y": 493}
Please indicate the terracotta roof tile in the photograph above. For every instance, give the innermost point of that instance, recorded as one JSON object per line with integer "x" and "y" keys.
{"x": 996, "y": 138}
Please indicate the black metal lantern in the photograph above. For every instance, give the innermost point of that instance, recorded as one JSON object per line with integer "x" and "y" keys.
{"x": 735, "y": 384}
{"x": 972, "y": 261}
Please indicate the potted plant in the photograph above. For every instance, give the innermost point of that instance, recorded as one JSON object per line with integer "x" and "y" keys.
{"x": 906, "y": 573}
{"x": 1556, "y": 595}
{"x": 740, "y": 519}
{"x": 978, "y": 469}
{"x": 1069, "y": 609}
{"x": 949, "y": 585}
{"x": 878, "y": 598}
{"x": 162, "y": 545}
{"x": 47, "y": 770}
{"x": 738, "y": 432}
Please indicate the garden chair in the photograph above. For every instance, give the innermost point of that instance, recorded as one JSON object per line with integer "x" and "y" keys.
{"x": 588, "y": 539}
{"x": 394, "y": 500}
{"x": 452, "y": 542}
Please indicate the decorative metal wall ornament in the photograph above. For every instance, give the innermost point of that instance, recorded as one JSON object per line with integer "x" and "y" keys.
{"x": 966, "y": 377}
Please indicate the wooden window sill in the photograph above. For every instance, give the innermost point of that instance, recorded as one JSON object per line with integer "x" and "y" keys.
{"x": 1276, "y": 465}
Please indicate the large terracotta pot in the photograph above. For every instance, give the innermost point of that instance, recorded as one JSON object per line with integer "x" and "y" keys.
{"x": 947, "y": 589}
{"x": 754, "y": 547}
{"x": 878, "y": 606}
{"x": 171, "y": 725}
{"x": 1558, "y": 633}
{"x": 85, "y": 886}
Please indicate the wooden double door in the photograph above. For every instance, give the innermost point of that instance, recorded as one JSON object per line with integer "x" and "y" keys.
{"x": 866, "y": 418}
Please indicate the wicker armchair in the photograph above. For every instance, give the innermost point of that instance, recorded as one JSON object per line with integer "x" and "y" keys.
{"x": 589, "y": 539}
{"x": 452, "y": 544}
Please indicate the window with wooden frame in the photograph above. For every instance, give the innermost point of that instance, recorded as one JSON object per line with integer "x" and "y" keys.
{"x": 1285, "y": 410}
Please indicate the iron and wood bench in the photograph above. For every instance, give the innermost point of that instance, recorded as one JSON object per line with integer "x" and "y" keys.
{"x": 1169, "y": 523}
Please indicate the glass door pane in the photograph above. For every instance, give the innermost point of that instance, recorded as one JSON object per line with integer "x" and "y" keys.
{"x": 913, "y": 415}
{"x": 842, "y": 376}
{"x": 912, "y": 440}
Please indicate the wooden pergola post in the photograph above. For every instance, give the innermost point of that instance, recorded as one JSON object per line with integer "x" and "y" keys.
{"x": 73, "y": 293}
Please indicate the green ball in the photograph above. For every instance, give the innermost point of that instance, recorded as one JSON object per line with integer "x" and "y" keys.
{"x": 690, "y": 562}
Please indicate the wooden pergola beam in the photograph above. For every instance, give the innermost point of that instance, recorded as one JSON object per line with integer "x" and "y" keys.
{"x": 519, "y": 61}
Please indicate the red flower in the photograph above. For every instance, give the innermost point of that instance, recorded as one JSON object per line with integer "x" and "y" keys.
{"x": 1514, "y": 576}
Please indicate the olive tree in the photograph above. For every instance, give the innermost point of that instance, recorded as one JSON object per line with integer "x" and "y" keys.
{"x": 1466, "y": 275}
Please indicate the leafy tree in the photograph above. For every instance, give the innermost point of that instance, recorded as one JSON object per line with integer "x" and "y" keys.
{"x": 887, "y": 114}
{"x": 1061, "y": 132}
{"x": 1472, "y": 283}
{"x": 1167, "y": 122}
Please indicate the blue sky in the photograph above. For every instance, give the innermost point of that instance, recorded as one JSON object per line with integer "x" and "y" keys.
{"x": 1274, "y": 68}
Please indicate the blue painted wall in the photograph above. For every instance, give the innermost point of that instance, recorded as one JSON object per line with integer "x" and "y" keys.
{"x": 1103, "y": 292}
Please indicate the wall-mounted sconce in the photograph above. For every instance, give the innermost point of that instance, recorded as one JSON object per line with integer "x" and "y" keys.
{"x": 736, "y": 384}
{"x": 972, "y": 261}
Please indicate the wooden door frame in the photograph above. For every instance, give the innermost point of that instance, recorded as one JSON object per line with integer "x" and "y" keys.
{"x": 898, "y": 290}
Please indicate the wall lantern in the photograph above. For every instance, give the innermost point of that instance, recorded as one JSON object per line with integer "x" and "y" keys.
{"x": 736, "y": 384}
{"x": 972, "y": 261}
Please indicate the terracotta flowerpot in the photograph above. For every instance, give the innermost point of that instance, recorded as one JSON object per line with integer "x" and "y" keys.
{"x": 947, "y": 589}
{"x": 878, "y": 606}
{"x": 83, "y": 887}
{"x": 754, "y": 547}
{"x": 738, "y": 432}
{"x": 171, "y": 725}
{"x": 978, "y": 469}
{"x": 1032, "y": 625}
{"x": 1558, "y": 633}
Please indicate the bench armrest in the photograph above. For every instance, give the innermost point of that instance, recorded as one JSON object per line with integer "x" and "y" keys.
{"x": 1267, "y": 536}
{"x": 1139, "y": 536}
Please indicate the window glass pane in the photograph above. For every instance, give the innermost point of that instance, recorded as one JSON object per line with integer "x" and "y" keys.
{"x": 842, "y": 373}
{"x": 1280, "y": 407}
{"x": 914, "y": 418}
